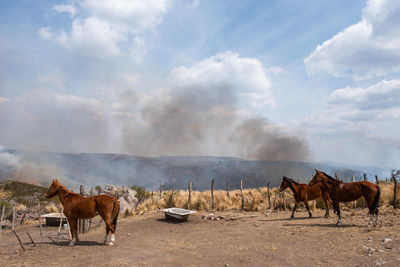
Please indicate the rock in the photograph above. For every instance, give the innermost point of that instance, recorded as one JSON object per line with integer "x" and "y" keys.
{"x": 386, "y": 240}
{"x": 125, "y": 195}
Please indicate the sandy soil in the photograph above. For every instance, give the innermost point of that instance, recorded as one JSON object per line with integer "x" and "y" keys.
{"x": 271, "y": 240}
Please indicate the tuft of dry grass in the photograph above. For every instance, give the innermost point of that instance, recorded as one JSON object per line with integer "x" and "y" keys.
{"x": 254, "y": 200}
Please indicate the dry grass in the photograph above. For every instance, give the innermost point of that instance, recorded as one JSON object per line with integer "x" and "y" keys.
{"x": 254, "y": 200}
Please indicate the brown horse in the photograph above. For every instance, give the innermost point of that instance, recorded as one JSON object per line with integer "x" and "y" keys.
{"x": 345, "y": 192}
{"x": 78, "y": 207}
{"x": 304, "y": 193}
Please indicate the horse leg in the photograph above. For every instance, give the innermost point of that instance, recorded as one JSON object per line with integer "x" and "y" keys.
{"x": 110, "y": 227}
{"x": 294, "y": 209}
{"x": 76, "y": 230}
{"x": 71, "y": 222}
{"x": 337, "y": 208}
{"x": 326, "y": 207}
{"x": 308, "y": 208}
{"x": 107, "y": 233}
{"x": 376, "y": 214}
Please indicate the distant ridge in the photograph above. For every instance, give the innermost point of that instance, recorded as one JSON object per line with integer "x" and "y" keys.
{"x": 173, "y": 171}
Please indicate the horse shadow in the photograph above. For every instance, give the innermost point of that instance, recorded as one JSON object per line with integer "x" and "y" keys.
{"x": 290, "y": 220}
{"x": 325, "y": 225}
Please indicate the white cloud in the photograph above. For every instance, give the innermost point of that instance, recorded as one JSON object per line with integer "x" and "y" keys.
{"x": 93, "y": 37}
{"x": 45, "y": 33}
{"x": 369, "y": 48}
{"x": 112, "y": 28}
{"x": 246, "y": 77}
{"x": 70, "y": 9}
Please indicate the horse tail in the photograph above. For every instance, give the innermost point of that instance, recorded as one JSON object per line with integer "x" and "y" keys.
{"x": 374, "y": 207}
{"x": 115, "y": 213}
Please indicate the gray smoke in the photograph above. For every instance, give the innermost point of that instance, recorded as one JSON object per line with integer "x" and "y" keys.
{"x": 207, "y": 121}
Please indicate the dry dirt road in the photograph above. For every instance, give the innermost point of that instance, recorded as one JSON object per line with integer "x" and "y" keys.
{"x": 271, "y": 240}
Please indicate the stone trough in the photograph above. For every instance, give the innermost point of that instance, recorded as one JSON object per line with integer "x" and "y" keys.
{"x": 177, "y": 214}
{"x": 53, "y": 219}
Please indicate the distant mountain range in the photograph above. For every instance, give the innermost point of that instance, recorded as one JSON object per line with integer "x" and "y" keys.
{"x": 172, "y": 171}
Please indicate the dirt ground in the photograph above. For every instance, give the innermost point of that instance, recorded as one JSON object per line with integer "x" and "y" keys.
{"x": 262, "y": 240}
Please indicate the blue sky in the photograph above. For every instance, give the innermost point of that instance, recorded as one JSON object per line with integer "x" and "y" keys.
{"x": 274, "y": 80}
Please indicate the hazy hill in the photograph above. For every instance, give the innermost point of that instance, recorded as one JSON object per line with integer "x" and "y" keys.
{"x": 176, "y": 171}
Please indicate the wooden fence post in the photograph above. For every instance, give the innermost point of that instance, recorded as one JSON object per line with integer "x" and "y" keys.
{"x": 241, "y": 192}
{"x": 2, "y": 217}
{"x": 355, "y": 202}
{"x": 336, "y": 176}
{"x": 172, "y": 197}
{"x": 160, "y": 190}
{"x": 269, "y": 197}
{"x": 376, "y": 179}
{"x": 212, "y": 194}
{"x": 81, "y": 221}
{"x": 365, "y": 176}
{"x": 283, "y": 199}
{"x": 394, "y": 191}
{"x": 40, "y": 223}
{"x": 152, "y": 197}
{"x": 59, "y": 227}
{"x": 190, "y": 195}
{"x": 227, "y": 188}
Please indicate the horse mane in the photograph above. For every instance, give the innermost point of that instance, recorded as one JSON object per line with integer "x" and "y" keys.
{"x": 329, "y": 177}
{"x": 290, "y": 180}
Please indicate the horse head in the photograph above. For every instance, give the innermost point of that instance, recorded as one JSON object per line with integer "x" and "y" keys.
{"x": 316, "y": 178}
{"x": 284, "y": 184}
{"x": 53, "y": 190}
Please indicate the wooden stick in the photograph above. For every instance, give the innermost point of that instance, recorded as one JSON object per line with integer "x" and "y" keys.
{"x": 336, "y": 176}
{"x": 33, "y": 242}
{"x": 243, "y": 217}
{"x": 269, "y": 197}
{"x": 59, "y": 227}
{"x": 2, "y": 217}
{"x": 190, "y": 195}
{"x": 69, "y": 230}
{"x": 19, "y": 240}
{"x": 394, "y": 191}
{"x": 283, "y": 199}
{"x": 89, "y": 222}
{"x": 13, "y": 218}
{"x": 23, "y": 218}
{"x": 241, "y": 193}
{"x": 376, "y": 179}
{"x": 365, "y": 176}
{"x": 40, "y": 223}
{"x": 152, "y": 197}
{"x": 212, "y": 193}
{"x": 227, "y": 188}
{"x": 355, "y": 202}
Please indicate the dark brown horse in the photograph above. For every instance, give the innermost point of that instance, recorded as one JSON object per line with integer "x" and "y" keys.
{"x": 78, "y": 207}
{"x": 304, "y": 193}
{"x": 345, "y": 192}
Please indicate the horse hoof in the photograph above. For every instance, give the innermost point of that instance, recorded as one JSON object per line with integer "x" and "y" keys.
{"x": 110, "y": 244}
{"x": 291, "y": 217}
{"x": 338, "y": 224}
{"x": 310, "y": 215}
{"x": 326, "y": 216}
{"x": 71, "y": 244}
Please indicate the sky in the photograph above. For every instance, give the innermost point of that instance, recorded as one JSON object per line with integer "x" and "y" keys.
{"x": 311, "y": 81}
